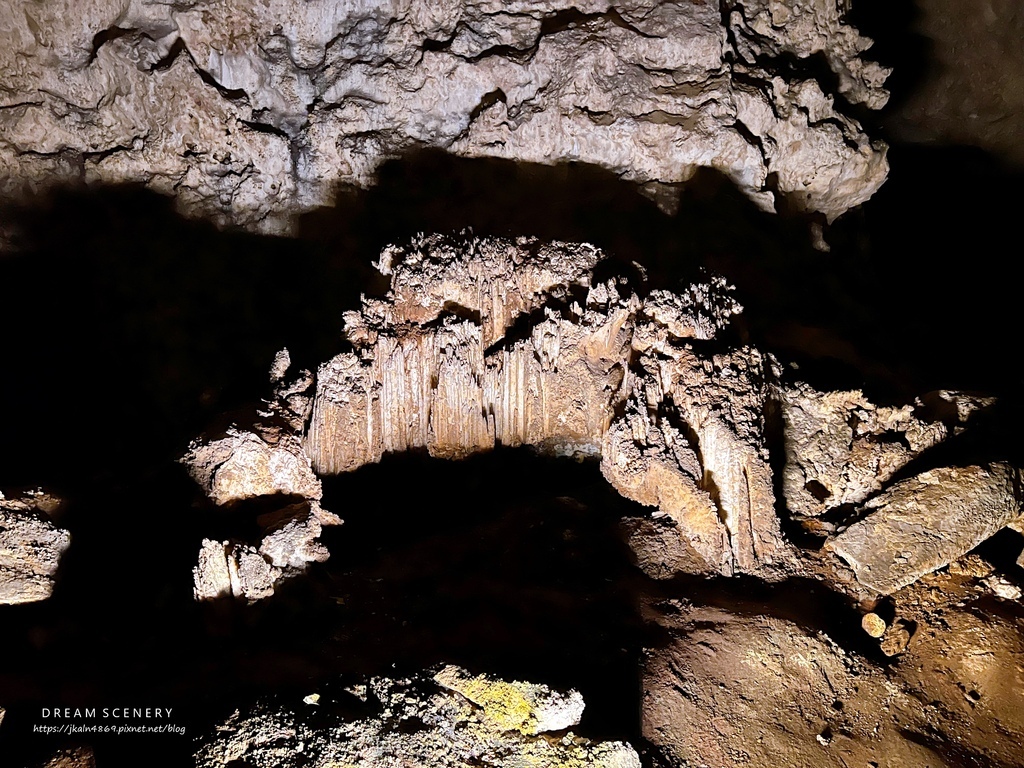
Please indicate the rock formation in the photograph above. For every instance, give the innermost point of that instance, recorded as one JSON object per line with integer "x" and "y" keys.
{"x": 249, "y": 114}
{"x": 841, "y": 449}
{"x": 924, "y": 523}
{"x": 290, "y": 543}
{"x": 30, "y": 548}
{"x": 488, "y": 342}
{"x": 450, "y": 719}
{"x": 76, "y": 757}
{"x": 493, "y": 342}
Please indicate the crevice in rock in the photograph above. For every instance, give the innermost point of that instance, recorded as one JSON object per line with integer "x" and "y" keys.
{"x": 570, "y": 18}
{"x": 105, "y": 36}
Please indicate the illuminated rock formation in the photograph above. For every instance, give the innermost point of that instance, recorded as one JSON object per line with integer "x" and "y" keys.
{"x": 251, "y": 113}
{"x": 30, "y": 548}
{"x": 449, "y": 719}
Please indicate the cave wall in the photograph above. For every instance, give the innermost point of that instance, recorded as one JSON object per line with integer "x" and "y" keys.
{"x": 249, "y": 114}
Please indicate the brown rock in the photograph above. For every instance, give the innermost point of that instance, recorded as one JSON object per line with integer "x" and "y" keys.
{"x": 873, "y": 624}
{"x": 841, "y": 449}
{"x": 227, "y": 569}
{"x": 30, "y": 549}
{"x": 896, "y": 638}
{"x": 926, "y": 522}
{"x": 763, "y": 692}
{"x": 443, "y": 374}
{"x": 242, "y": 465}
{"x": 76, "y": 757}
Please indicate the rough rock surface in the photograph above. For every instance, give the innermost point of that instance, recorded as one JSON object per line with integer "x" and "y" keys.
{"x": 528, "y": 349}
{"x": 288, "y": 546}
{"x": 927, "y": 522}
{"x": 842, "y": 449}
{"x": 736, "y": 689}
{"x": 265, "y": 462}
{"x": 249, "y": 113}
{"x": 496, "y": 342}
{"x": 242, "y": 465}
{"x": 525, "y": 707}
{"x": 454, "y": 719}
{"x": 30, "y": 548}
{"x": 75, "y": 757}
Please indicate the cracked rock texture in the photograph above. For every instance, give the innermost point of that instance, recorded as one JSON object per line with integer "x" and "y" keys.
{"x": 926, "y": 522}
{"x": 30, "y": 548}
{"x": 241, "y": 570}
{"x": 842, "y": 449}
{"x": 453, "y": 719}
{"x": 251, "y": 113}
{"x": 243, "y": 465}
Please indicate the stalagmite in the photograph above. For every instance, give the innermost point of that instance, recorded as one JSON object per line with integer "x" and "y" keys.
{"x": 482, "y": 343}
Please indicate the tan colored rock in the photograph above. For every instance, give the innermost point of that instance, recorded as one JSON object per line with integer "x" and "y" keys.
{"x": 447, "y": 374}
{"x": 212, "y": 576}
{"x": 971, "y": 86}
{"x": 290, "y": 540}
{"x": 227, "y": 569}
{"x": 449, "y": 720}
{"x": 424, "y": 376}
{"x": 873, "y": 624}
{"x": 815, "y": 28}
{"x": 654, "y": 464}
{"x": 31, "y": 548}
{"x": 721, "y": 402}
{"x": 1002, "y": 587}
{"x": 76, "y": 757}
{"x": 896, "y": 639}
{"x": 233, "y": 570}
{"x": 926, "y": 522}
{"x": 252, "y": 113}
{"x": 841, "y": 448}
{"x": 660, "y": 549}
{"x": 762, "y": 691}
{"x": 242, "y": 465}
{"x": 515, "y": 706}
